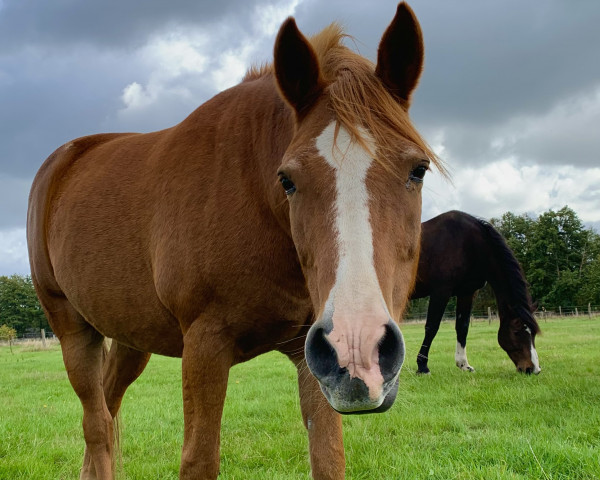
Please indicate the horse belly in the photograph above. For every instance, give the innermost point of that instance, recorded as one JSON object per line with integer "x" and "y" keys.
{"x": 148, "y": 328}
{"x": 134, "y": 318}
{"x": 111, "y": 286}
{"x": 100, "y": 260}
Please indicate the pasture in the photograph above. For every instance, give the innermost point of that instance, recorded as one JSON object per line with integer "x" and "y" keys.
{"x": 491, "y": 424}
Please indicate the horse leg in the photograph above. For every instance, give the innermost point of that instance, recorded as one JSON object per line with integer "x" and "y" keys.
{"x": 435, "y": 311}
{"x": 207, "y": 358}
{"x": 464, "y": 303}
{"x": 324, "y": 426}
{"x": 122, "y": 367}
{"x": 82, "y": 349}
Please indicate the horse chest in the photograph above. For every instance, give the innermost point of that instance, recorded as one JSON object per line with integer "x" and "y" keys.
{"x": 276, "y": 334}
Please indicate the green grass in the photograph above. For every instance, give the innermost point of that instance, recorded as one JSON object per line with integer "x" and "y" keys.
{"x": 491, "y": 424}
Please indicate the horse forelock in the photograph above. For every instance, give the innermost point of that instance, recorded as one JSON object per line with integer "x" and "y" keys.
{"x": 359, "y": 100}
{"x": 520, "y": 299}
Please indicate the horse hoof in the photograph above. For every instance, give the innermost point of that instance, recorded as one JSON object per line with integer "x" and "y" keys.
{"x": 466, "y": 368}
{"x": 424, "y": 372}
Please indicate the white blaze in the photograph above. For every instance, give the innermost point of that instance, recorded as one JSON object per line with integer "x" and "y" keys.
{"x": 534, "y": 356}
{"x": 356, "y": 294}
{"x": 535, "y": 360}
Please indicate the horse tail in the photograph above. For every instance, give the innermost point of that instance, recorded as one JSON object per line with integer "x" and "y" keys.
{"x": 518, "y": 288}
{"x": 117, "y": 458}
{"x": 117, "y": 453}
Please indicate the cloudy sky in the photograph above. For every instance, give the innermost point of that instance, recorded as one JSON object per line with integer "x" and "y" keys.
{"x": 510, "y": 96}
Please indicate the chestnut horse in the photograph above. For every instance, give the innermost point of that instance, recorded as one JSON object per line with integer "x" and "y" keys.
{"x": 282, "y": 214}
{"x": 459, "y": 254}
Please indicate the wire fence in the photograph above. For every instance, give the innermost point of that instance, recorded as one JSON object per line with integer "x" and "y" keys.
{"x": 491, "y": 314}
{"x": 32, "y": 334}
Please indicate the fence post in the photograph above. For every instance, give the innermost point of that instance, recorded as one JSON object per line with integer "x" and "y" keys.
{"x": 590, "y": 310}
{"x": 576, "y": 312}
{"x": 489, "y": 315}
{"x": 44, "y": 338}
{"x": 560, "y": 311}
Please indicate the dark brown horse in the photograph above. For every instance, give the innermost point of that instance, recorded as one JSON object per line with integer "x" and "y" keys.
{"x": 183, "y": 243}
{"x": 459, "y": 254}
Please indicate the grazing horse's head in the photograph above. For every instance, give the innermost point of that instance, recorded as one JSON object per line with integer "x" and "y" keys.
{"x": 517, "y": 337}
{"x": 353, "y": 174}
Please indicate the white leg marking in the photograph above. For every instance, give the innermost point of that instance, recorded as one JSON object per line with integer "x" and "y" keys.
{"x": 460, "y": 357}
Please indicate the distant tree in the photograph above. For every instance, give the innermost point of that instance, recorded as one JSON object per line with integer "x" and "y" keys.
{"x": 484, "y": 298}
{"x": 590, "y": 250}
{"x": 19, "y": 305}
{"x": 518, "y": 232}
{"x": 557, "y": 254}
{"x": 565, "y": 289}
{"x": 417, "y": 308}
{"x": 8, "y": 333}
{"x": 589, "y": 291}
{"x": 558, "y": 242}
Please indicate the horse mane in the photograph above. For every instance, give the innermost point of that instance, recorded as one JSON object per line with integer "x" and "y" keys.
{"x": 359, "y": 99}
{"x": 517, "y": 284}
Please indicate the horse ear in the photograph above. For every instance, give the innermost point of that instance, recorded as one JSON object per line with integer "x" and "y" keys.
{"x": 400, "y": 55}
{"x": 296, "y": 67}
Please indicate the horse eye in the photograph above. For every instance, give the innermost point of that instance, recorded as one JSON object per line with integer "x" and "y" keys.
{"x": 287, "y": 185}
{"x": 418, "y": 173}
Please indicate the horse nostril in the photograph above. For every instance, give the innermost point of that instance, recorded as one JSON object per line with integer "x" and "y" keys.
{"x": 320, "y": 355}
{"x": 391, "y": 351}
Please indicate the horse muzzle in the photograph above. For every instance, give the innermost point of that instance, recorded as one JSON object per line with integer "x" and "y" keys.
{"x": 347, "y": 392}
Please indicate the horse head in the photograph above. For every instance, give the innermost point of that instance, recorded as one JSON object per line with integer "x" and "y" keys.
{"x": 353, "y": 174}
{"x": 517, "y": 338}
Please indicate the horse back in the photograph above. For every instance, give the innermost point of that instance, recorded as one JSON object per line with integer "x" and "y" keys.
{"x": 453, "y": 257}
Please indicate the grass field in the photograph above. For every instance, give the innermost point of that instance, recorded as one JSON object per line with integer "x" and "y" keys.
{"x": 491, "y": 424}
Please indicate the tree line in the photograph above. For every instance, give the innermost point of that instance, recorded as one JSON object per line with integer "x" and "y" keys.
{"x": 19, "y": 306}
{"x": 559, "y": 256}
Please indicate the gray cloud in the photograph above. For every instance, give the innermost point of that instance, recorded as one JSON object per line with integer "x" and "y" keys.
{"x": 489, "y": 63}
{"x": 115, "y": 24}
{"x": 13, "y": 258}
{"x": 504, "y": 82}
{"x": 13, "y": 210}
{"x": 49, "y": 99}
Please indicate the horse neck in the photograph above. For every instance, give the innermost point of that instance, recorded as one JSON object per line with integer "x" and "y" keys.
{"x": 268, "y": 118}
{"x": 505, "y": 276}
{"x": 250, "y": 128}
{"x": 497, "y": 278}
